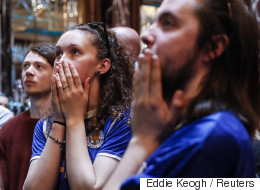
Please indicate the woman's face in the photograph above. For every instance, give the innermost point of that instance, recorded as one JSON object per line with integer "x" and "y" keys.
{"x": 74, "y": 47}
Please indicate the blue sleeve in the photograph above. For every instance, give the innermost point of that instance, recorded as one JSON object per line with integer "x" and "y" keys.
{"x": 117, "y": 139}
{"x": 39, "y": 140}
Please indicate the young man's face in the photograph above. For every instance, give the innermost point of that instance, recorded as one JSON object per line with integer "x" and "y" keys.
{"x": 36, "y": 75}
{"x": 173, "y": 38}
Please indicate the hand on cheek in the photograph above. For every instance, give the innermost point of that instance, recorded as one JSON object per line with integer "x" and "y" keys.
{"x": 73, "y": 99}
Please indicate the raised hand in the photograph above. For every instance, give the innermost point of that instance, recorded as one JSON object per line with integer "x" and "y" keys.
{"x": 54, "y": 98}
{"x": 73, "y": 98}
{"x": 151, "y": 115}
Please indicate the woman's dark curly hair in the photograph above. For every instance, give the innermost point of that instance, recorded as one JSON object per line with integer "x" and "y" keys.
{"x": 116, "y": 83}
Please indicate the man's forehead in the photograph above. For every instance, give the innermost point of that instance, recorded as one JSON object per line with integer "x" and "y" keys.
{"x": 178, "y": 9}
{"x": 176, "y": 5}
{"x": 34, "y": 57}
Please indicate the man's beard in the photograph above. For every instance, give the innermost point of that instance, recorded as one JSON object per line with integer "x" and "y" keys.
{"x": 178, "y": 79}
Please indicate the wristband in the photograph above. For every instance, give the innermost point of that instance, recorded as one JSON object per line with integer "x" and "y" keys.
{"x": 61, "y": 123}
{"x": 57, "y": 141}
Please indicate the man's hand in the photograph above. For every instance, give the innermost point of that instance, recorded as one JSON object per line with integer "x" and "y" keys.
{"x": 151, "y": 115}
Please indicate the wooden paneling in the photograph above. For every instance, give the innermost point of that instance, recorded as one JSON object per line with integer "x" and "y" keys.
{"x": 90, "y": 10}
{"x": 6, "y": 61}
{"x": 135, "y": 14}
{"x": 121, "y": 13}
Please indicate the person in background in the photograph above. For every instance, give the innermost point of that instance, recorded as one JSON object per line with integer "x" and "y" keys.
{"x": 17, "y": 134}
{"x": 129, "y": 39}
{"x": 5, "y": 112}
{"x": 89, "y": 131}
{"x": 195, "y": 96}
{"x": 4, "y": 101}
{"x": 5, "y": 115}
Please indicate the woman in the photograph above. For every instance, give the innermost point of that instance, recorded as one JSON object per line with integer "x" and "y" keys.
{"x": 91, "y": 92}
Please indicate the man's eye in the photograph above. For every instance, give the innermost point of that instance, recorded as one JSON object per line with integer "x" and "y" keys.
{"x": 25, "y": 66}
{"x": 38, "y": 66}
{"x": 167, "y": 23}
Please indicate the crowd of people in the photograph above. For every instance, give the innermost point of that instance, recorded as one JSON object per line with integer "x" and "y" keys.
{"x": 103, "y": 114}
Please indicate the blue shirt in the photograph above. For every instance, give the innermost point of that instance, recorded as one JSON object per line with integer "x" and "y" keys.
{"x": 111, "y": 142}
{"x": 216, "y": 146}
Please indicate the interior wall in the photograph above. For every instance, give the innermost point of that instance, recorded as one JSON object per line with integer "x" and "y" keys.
{"x": 5, "y": 49}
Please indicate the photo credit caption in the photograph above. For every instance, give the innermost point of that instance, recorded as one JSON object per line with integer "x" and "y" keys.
{"x": 200, "y": 183}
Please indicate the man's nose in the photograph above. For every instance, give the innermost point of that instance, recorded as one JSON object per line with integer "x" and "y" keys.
{"x": 148, "y": 37}
{"x": 30, "y": 71}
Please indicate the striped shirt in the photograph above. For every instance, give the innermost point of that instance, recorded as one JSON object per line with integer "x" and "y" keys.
{"x": 5, "y": 115}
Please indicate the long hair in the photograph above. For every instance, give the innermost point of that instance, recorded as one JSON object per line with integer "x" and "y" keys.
{"x": 233, "y": 80}
{"x": 116, "y": 83}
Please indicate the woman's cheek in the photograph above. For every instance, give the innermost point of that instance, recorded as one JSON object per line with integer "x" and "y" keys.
{"x": 82, "y": 77}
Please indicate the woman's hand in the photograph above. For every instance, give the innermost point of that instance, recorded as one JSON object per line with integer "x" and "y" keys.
{"x": 151, "y": 115}
{"x": 73, "y": 98}
{"x": 58, "y": 116}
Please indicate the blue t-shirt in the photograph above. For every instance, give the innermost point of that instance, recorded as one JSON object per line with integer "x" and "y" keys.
{"x": 216, "y": 146}
{"x": 111, "y": 142}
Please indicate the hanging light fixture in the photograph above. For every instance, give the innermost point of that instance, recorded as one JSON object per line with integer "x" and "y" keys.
{"x": 39, "y": 6}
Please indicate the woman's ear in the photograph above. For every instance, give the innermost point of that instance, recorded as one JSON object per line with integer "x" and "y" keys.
{"x": 103, "y": 66}
{"x": 221, "y": 41}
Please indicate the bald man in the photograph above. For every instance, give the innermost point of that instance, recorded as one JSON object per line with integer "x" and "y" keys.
{"x": 130, "y": 40}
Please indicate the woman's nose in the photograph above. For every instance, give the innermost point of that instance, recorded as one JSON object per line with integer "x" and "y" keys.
{"x": 61, "y": 58}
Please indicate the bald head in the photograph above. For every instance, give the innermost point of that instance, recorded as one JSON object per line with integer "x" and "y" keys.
{"x": 129, "y": 39}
